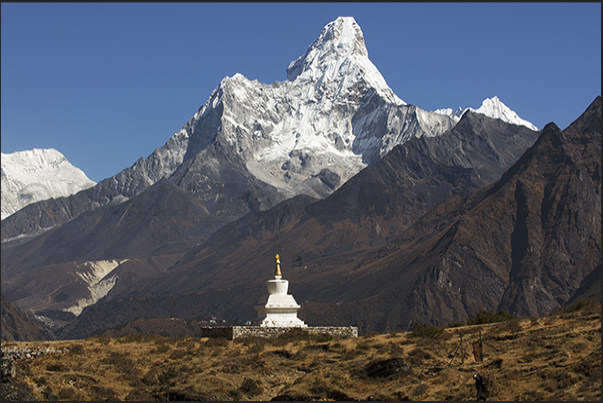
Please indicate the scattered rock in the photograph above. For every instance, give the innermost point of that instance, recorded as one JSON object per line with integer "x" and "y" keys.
{"x": 338, "y": 396}
{"x": 495, "y": 363}
{"x": 329, "y": 178}
{"x": 251, "y": 387}
{"x": 14, "y": 391}
{"x": 387, "y": 368}
{"x": 11, "y": 389}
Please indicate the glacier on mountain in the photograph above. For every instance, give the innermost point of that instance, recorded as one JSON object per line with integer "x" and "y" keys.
{"x": 39, "y": 174}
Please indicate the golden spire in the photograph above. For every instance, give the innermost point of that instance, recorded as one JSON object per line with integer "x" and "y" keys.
{"x": 277, "y": 272}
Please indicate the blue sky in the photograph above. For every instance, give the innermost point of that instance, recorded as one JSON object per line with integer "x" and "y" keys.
{"x": 107, "y": 83}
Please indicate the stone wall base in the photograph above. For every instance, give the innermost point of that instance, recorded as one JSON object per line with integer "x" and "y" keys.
{"x": 234, "y": 332}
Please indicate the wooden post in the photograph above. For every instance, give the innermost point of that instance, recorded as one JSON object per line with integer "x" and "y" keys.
{"x": 481, "y": 348}
{"x": 453, "y": 355}
{"x": 462, "y": 351}
{"x": 477, "y": 354}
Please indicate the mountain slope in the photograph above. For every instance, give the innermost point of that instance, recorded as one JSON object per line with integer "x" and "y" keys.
{"x": 19, "y": 326}
{"x": 38, "y": 174}
{"x": 525, "y": 243}
{"x": 39, "y": 217}
{"x": 77, "y": 263}
{"x": 370, "y": 209}
{"x": 313, "y": 236}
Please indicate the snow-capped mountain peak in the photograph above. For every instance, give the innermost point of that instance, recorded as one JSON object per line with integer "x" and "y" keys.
{"x": 338, "y": 40}
{"x": 495, "y": 108}
{"x": 33, "y": 175}
{"x": 322, "y": 119}
{"x": 339, "y": 56}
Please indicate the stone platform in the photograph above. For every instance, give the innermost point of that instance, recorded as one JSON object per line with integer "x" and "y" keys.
{"x": 234, "y": 332}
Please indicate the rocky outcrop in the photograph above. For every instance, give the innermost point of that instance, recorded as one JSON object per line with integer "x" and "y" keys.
{"x": 387, "y": 368}
{"x": 590, "y": 288}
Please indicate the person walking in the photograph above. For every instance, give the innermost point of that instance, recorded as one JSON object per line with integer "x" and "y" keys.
{"x": 479, "y": 385}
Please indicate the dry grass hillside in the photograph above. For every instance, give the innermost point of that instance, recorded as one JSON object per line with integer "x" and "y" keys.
{"x": 557, "y": 357}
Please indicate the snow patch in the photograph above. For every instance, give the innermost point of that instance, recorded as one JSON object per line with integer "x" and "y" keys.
{"x": 450, "y": 113}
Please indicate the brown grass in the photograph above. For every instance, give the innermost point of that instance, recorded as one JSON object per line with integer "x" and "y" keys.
{"x": 553, "y": 358}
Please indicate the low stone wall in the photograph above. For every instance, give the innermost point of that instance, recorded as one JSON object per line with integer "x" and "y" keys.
{"x": 347, "y": 331}
{"x": 12, "y": 354}
{"x": 234, "y": 332}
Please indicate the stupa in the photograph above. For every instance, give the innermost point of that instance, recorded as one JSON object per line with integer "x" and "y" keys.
{"x": 278, "y": 309}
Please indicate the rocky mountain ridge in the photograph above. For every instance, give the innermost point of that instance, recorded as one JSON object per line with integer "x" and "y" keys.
{"x": 41, "y": 216}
